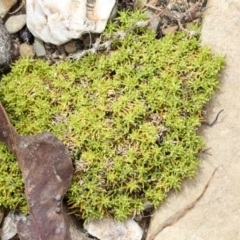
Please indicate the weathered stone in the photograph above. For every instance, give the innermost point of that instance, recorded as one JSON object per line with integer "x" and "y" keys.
{"x": 39, "y": 47}
{"x": 59, "y": 22}
{"x": 26, "y": 50}
{"x": 15, "y": 23}
{"x": 5, "y": 6}
{"x": 110, "y": 229}
{"x": 70, "y": 47}
{"x": 175, "y": 207}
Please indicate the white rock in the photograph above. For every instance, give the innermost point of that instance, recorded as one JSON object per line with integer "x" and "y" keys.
{"x": 5, "y": 6}
{"x": 58, "y": 22}
{"x": 110, "y": 229}
{"x": 100, "y": 13}
{"x": 15, "y": 23}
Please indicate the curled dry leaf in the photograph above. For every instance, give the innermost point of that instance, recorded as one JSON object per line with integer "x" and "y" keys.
{"x": 47, "y": 171}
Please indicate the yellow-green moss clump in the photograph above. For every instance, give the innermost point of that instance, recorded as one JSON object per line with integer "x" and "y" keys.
{"x": 128, "y": 116}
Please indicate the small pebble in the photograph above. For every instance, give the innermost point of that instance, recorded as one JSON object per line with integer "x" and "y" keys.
{"x": 15, "y": 23}
{"x": 148, "y": 205}
{"x": 169, "y": 30}
{"x": 110, "y": 229}
{"x": 70, "y": 47}
{"x": 26, "y": 36}
{"x": 26, "y": 50}
{"x": 39, "y": 47}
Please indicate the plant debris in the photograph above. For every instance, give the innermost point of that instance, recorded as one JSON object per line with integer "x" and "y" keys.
{"x": 47, "y": 172}
{"x": 128, "y": 116}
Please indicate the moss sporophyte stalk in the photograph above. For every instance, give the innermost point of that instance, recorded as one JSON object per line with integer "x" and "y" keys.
{"x": 128, "y": 117}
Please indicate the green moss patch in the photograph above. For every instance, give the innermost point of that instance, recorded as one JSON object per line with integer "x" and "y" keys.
{"x": 128, "y": 117}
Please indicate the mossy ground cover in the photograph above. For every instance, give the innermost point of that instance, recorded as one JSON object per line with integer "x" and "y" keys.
{"x": 128, "y": 117}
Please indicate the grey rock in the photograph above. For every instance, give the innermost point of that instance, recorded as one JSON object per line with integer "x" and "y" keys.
{"x": 110, "y": 229}
{"x": 75, "y": 226}
{"x": 15, "y": 23}
{"x": 154, "y": 23}
{"x": 114, "y": 11}
{"x": 70, "y": 47}
{"x": 5, "y": 48}
{"x": 39, "y": 47}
